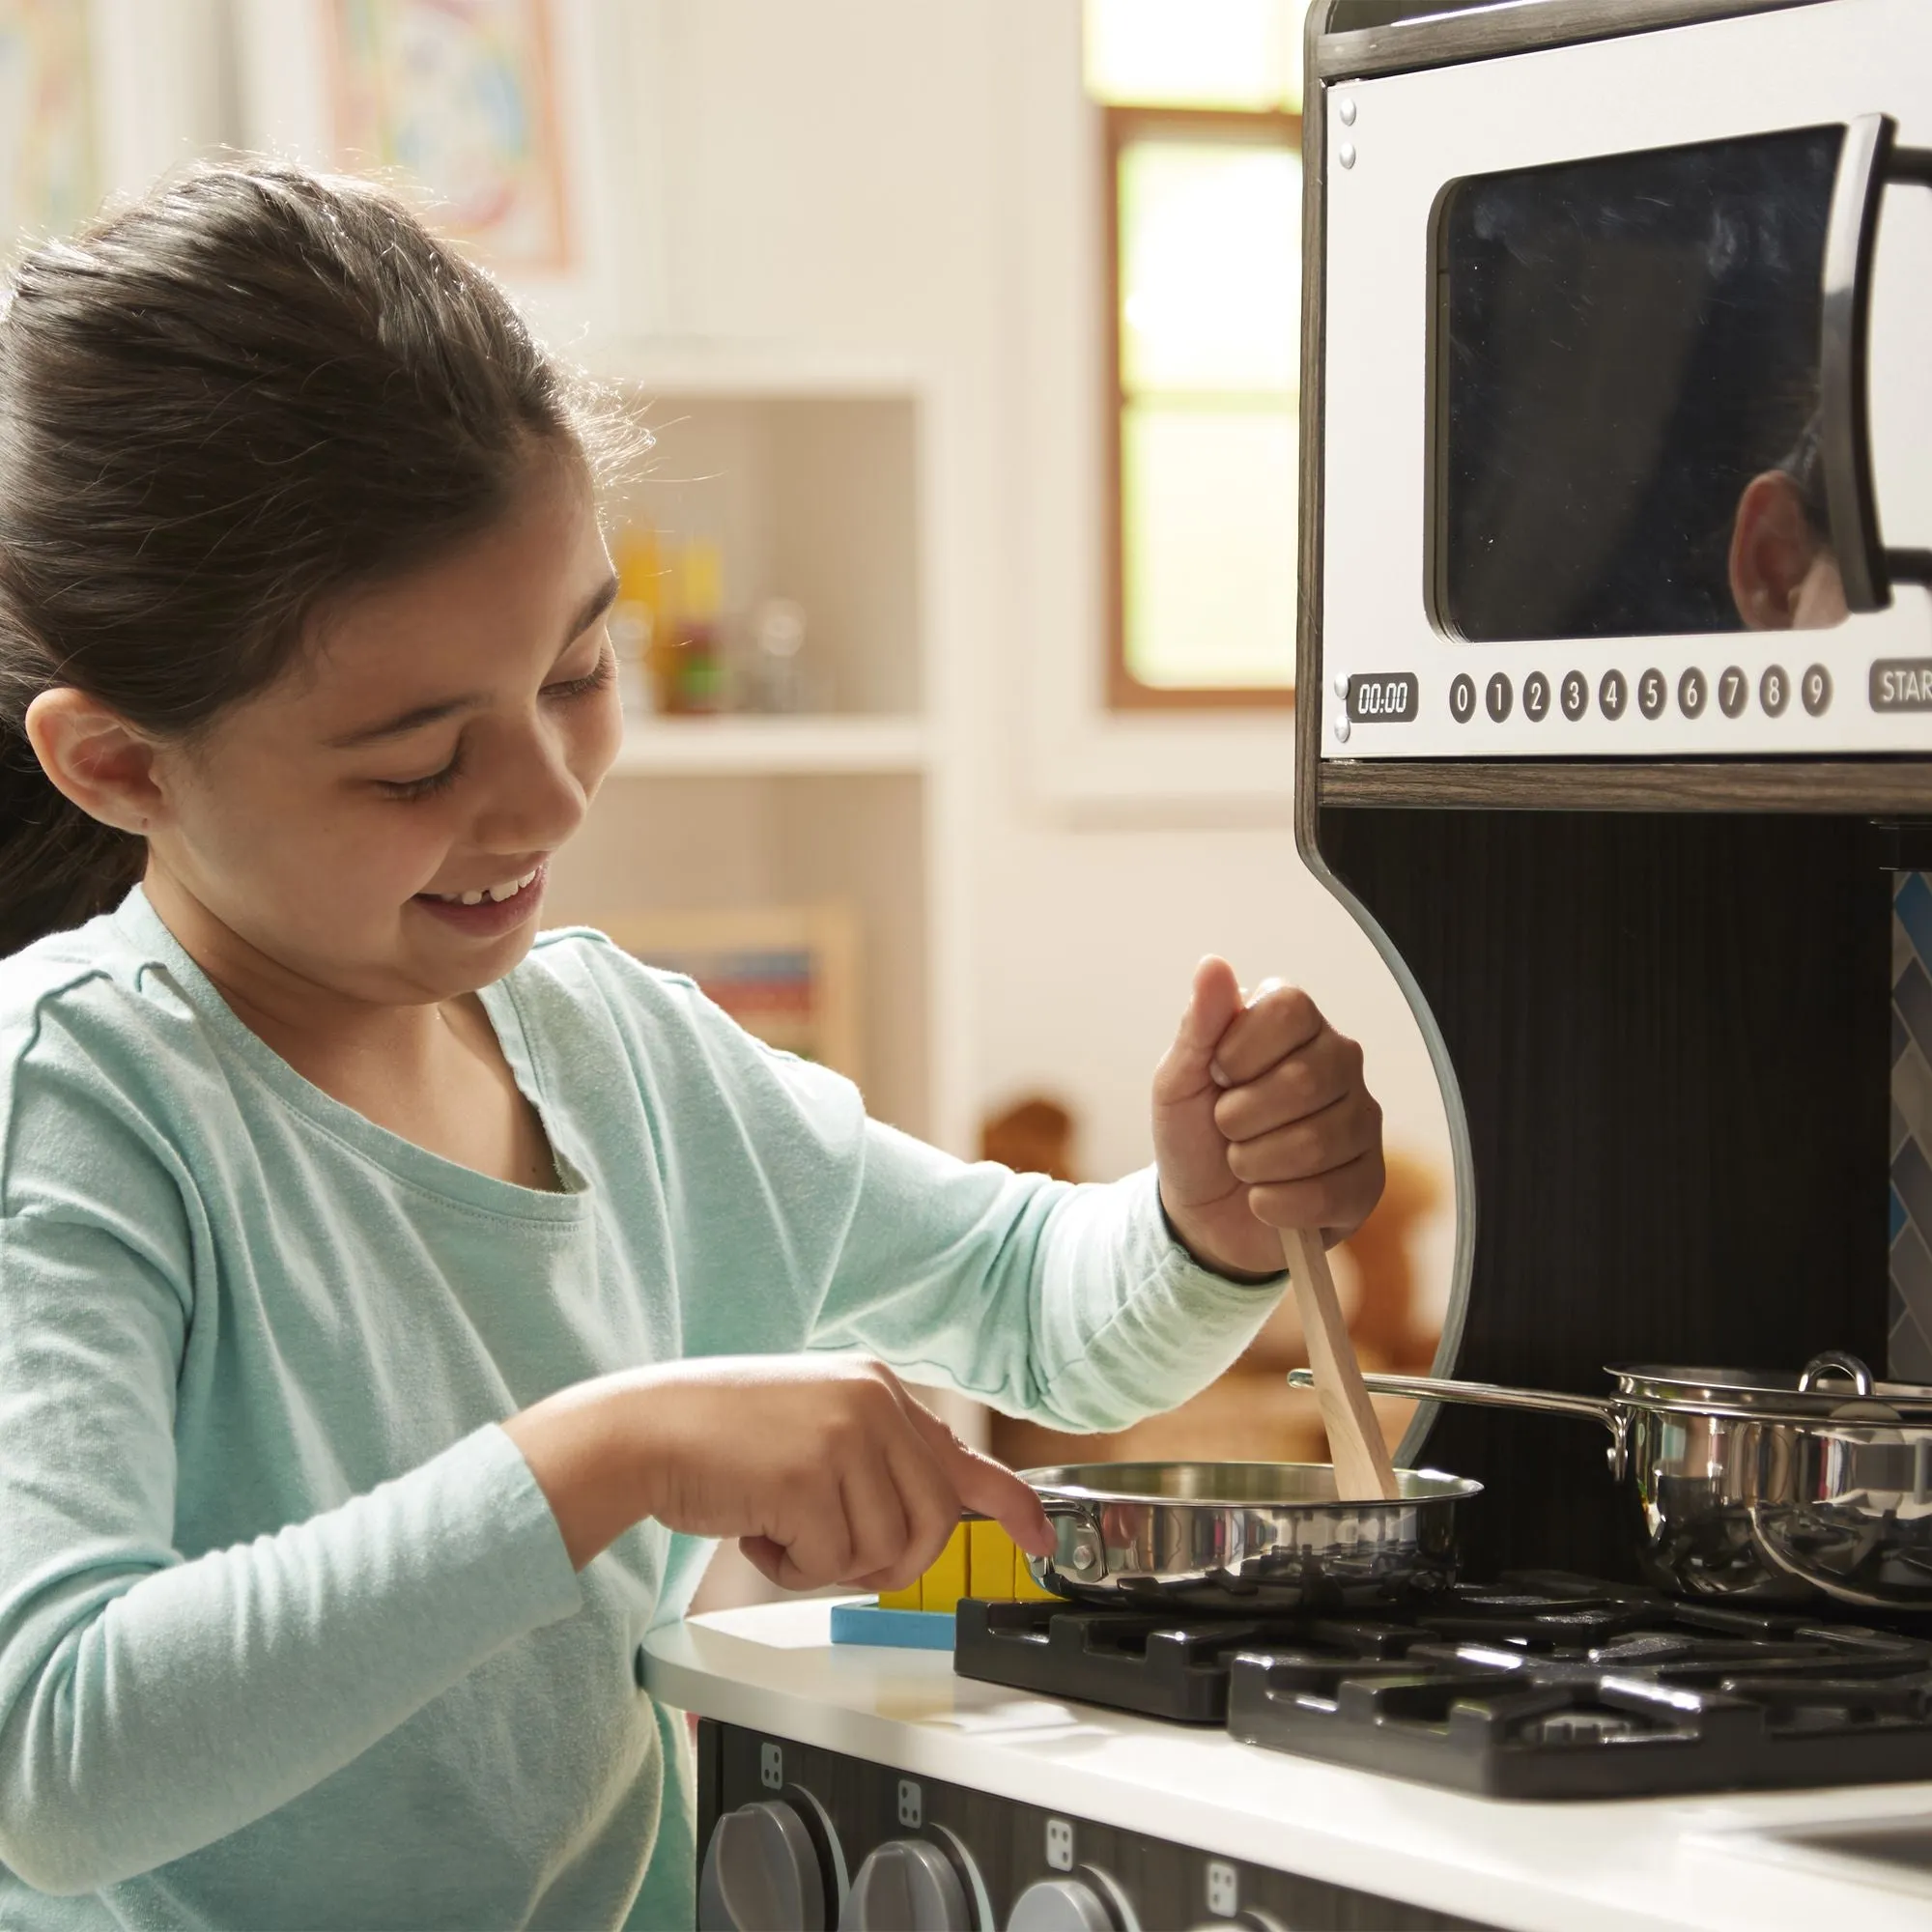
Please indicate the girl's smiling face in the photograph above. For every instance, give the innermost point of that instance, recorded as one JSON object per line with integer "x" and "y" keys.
{"x": 443, "y": 735}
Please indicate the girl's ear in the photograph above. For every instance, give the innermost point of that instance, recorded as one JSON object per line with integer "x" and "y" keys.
{"x": 96, "y": 758}
{"x": 1772, "y": 552}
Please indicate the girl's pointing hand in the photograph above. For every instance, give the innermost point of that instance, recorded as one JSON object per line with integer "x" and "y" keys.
{"x": 825, "y": 1470}
{"x": 1261, "y": 1121}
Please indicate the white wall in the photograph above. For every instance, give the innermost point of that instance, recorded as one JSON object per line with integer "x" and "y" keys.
{"x": 919, "y": 181}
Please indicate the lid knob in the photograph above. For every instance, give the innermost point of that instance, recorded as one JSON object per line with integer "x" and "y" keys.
{"x": 1834, "y": 1362}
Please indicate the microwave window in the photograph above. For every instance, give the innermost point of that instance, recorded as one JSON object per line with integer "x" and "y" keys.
{"x": 1626, "y": 381}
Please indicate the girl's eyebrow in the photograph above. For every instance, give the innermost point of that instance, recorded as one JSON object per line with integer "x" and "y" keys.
{"x": 417, "y": 716}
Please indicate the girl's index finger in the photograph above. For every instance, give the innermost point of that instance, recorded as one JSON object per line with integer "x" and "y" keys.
{"x": 992, "y": 1489}
{"x": 985, "y": 1487}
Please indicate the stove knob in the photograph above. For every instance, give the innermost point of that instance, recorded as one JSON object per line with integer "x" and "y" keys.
{"x": 907, "y": 1885}
{"x": 1062, "y": 1905}
{"x": 761, "y": 1873}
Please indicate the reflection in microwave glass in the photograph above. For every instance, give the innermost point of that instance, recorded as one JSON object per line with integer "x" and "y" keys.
{"x": 1627, "y": 362}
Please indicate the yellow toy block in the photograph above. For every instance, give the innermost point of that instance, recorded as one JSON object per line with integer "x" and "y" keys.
{"x": 990, "y": 1561}
{"x": 945, "y": 1584}
{"x": 900, "y": 1600}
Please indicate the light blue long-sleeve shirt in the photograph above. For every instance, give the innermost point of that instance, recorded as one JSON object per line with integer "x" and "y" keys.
{"x": 288, "y": 1634}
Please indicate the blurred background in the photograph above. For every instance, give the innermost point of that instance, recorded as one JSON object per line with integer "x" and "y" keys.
{"x": 958, "y": 590}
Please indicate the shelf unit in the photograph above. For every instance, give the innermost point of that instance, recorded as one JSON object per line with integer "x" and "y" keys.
{"x": 810, "y": 472}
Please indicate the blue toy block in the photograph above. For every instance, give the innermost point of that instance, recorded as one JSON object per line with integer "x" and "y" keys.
{"x": 896, "y": 1630}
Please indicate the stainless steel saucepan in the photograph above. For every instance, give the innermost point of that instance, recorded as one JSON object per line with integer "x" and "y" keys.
{"x": 1765, "y": 1487}
{"x": 1233, "y": 1536}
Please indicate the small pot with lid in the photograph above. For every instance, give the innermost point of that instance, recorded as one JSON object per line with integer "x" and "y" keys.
{"x": 1758, "y": 1486}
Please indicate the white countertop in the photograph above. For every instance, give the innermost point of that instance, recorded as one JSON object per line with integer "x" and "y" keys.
{"x": 1703, "y": 1864}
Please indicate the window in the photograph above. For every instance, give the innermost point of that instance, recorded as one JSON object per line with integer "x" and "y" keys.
{"x": 1203, "y": 208}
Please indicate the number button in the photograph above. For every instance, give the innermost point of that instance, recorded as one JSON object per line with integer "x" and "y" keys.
{"x": 1462, "y": 699}
{"x": 1651, "y": 694}
{"x": 1613, "y": 695}
{"x": 1733, "y": 690}
{"x": 1576, "y": 695}
{"x": 1500, "y": 697}
{"x": 1692, "y": 692}
{"x": 1774, "y": 691}
{"x": 1536, "y": 698}
{"x": 1817, "y": 691}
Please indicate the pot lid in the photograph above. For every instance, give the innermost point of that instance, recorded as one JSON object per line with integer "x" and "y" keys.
{"x": 1832, "y": 1384}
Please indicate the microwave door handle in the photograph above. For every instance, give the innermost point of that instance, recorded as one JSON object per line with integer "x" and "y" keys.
{"x": 1868, "y": 159}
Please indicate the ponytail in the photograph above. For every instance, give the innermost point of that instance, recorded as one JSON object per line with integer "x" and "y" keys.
{"x": 58, "y": 866}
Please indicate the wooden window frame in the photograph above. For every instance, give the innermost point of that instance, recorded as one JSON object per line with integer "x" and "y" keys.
{"x": 1271, "y": 128}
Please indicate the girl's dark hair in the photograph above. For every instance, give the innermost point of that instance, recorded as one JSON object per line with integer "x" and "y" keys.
{"x": 221, "y": 410}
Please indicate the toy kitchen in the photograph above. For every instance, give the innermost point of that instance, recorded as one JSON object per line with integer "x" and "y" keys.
{"x": 1615, "y": 735}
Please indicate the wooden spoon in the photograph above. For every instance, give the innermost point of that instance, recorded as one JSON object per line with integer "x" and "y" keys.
{"x": 1363, "y": 1472}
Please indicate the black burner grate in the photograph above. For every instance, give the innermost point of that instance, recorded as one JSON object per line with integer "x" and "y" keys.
{"x": 1543, "y": 1685}
{"x": 1128, "y": 1660}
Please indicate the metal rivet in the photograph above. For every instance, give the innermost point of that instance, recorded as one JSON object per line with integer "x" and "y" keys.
{"x": 1346, "y": 153}
{"x": 1341, "y": 683}
{"x": 1346, "y": 108}
{"x": 1341, "y": 730}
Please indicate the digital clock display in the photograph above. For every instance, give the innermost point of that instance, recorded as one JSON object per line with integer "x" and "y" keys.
{"x": 1383, "y": 698}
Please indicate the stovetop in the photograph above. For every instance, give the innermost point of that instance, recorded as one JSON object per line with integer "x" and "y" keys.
{"x": 1540, "y": 1686}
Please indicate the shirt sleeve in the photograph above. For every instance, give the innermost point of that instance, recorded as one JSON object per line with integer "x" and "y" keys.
{"x": 149, "y": 1703}
{"x": 1072, "y": 1306}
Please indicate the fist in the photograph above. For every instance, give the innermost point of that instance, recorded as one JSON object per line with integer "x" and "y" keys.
{"x": 1261, "y": 1121}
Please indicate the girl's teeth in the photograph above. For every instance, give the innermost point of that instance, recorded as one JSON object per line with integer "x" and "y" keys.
{"x": 499, "y": 893}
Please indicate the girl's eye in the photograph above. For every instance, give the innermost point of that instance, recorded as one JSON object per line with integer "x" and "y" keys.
{"x": 424, "y": 788}
{"x": 595, "y": 679}
{"x": 407, "y": 789}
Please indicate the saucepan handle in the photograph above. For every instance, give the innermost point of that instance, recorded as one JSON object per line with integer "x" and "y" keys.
{"x": 1613, "y": 1415}
{"x": 1052, "y": 1505}
{"x": 1085, "y": 1552}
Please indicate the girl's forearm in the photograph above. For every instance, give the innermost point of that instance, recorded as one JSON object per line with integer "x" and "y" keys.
{"x": 207, "y": 1694}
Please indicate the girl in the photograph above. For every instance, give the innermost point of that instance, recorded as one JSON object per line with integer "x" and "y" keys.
{"x": 394, "y": 1302}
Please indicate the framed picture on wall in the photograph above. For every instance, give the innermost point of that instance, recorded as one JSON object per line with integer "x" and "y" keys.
{"x": 787, "y": 973}
{"x": 50, "y": 164}
{"x": 513, "y": 124}
{"x": 462, "y": 98}
{"x": 101, "y": 99}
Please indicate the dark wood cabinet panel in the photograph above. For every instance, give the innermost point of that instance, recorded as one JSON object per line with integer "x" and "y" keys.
{"x": 1671, "y": 1034}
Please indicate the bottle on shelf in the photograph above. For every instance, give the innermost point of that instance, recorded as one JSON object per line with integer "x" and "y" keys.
{"x": 686, "y": 655}
{"x": 637, "y": 615}
{"x": 775, "y": 678}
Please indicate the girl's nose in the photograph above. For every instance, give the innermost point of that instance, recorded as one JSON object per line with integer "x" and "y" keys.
{"x": 537, "y": 800}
